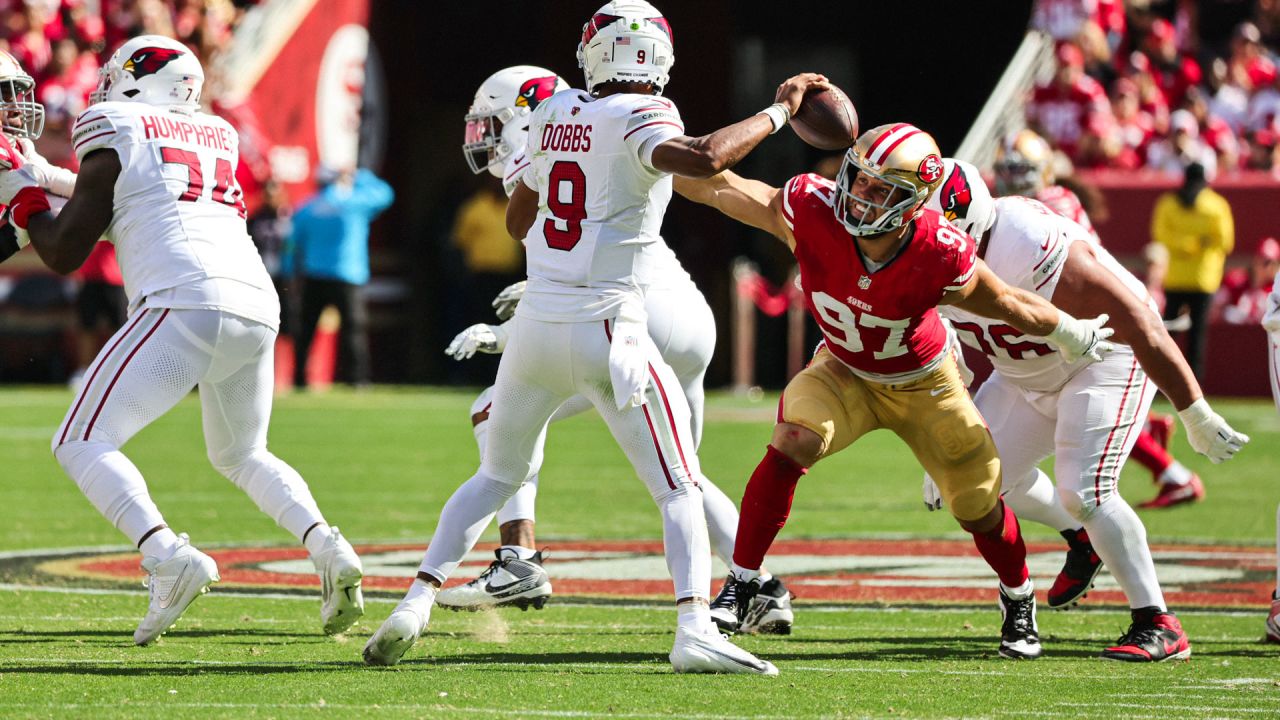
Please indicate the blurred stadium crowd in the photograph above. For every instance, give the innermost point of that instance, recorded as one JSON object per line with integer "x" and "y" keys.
{"x": 1142, "y": 84}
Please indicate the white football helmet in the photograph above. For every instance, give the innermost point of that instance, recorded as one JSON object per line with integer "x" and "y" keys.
{"x": 627, "y": 41}
{"x": 20, "y": 115}
{"x": 151, "y": 69}
{"x": 498, "y": 121}
{"x": 963, "y": 198}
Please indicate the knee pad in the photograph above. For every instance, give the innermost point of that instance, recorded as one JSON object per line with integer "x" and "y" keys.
{"x": 235, "y": 465}
{"x": 1080, "y": 504}
{"x": 973, "y": 503}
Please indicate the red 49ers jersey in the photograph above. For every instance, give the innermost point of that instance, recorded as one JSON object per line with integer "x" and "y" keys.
{"x": 882, "y": 323}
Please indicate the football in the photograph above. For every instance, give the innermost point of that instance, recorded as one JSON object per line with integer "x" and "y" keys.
{"x": 826, "y": 120}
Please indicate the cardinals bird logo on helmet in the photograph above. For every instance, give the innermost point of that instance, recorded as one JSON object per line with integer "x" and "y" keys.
{"x": 955, "y": 195}
{"x": 535, "y": 90}
{"x": 149, "y": 60}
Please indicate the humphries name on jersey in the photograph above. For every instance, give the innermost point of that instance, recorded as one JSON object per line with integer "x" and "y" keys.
{"x": 181, "y": 243}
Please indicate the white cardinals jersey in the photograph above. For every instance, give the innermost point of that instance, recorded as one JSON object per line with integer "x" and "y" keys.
{"x": 179, "y": 218}
{"x": 1027, "y": 248}
{"x": 664, "y": 268}
{"x": 600, "y": 202}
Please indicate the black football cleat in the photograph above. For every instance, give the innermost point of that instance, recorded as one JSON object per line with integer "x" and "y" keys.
{"x": 1078, "y": 572}
{"x": 1155, "y": 636}
{"x": 770, "y": 612}
{"x": 730, "y": 607}
{"x": 1019, "y": 636}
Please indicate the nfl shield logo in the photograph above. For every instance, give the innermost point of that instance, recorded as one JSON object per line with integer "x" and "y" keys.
{"x": 864, "y": 282}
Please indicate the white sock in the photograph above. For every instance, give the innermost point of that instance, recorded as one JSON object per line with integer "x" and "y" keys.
{"x": 161, "y": 545}
{"x": 1120, "y": 539}
{"x": 419, "y": 599}
{"x": 722, "y": 519}
{"x": 1038, "y": 501}
{"x": 696, "y": 617}
{"x": 1019, "y": 592}
{"x": 684, "y": 540}
{"x": 316, "y": 538}
{"x": 743, "y": 574}
{"x": 115, "y": 487}
{"x": 464, "y": 517}
{"x": 518, "y": 551}
{"x": 1175, "y": 474}
{"x": 277, "y": 489}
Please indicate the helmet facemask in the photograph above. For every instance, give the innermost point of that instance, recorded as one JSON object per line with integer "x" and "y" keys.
{"x": 482, "y": 141}
{"x": 1015, "y": 175}
{"x": 889, "y": 209}
{"x": 20, "y": 114}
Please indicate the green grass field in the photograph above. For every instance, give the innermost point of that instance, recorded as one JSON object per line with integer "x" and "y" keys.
{"x": 381, "y": 465}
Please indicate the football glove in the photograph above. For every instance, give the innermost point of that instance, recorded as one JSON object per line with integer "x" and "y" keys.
{"x": 1210, "y": 435}
{"x": 57, "y": 180}
{"x": 1078, "y": 339}
{"x": 504, "y": 306}
{"x": 932, "y": 495}
{"x": 491, "y": 339}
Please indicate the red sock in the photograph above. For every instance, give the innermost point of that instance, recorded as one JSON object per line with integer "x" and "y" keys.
{"x": 1003, "y": 549}
{"x": 1151, "y": 455}
{"x": 766, "y": 503}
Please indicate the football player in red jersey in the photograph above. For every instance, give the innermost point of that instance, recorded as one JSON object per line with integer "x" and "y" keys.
{"x": 875, "y": 265}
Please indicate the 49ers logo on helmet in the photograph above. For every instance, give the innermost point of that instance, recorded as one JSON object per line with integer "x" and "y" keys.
{"x": 930, "y": 170}
{"x": 149, "y": 60}
{"x": 955, "y": 195}
{"x": 534, "y": 91}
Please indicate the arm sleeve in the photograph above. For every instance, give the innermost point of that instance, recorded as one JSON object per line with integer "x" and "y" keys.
{"x": 96, "y": 128}
{"x": 961, "y": 262}
{"x": 653, "y": 121}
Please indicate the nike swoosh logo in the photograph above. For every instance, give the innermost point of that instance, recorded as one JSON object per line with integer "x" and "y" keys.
{"x": 165, "y": 601}
{"x": 509, "y": 588}
{"x": 937, "y": 391}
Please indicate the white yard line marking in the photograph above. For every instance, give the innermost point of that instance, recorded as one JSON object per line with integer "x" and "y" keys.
{"x": 1172, "y": 709}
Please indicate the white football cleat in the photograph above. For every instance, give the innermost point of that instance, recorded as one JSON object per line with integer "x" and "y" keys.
{"x": 341, "y": 600}
{"x": 713, "y": 653}
{"x": 770, "y": 611}
{"x": 507, "y": 581}
{"x": 397, "y": 634}
{"x": 173, "y": 583}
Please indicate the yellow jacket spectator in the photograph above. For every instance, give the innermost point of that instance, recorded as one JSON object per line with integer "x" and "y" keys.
{"x": 480, "y": 232}
{"x": 1195, "y": 225}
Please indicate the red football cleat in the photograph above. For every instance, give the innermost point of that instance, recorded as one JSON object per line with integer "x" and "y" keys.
{"x": 1154, "y": 636}
{"x": 1161, "y": 428}
{"x": 1078, "y": 573}
{"x": 1171, "y": 494}
{"x": 1273, "y": 621}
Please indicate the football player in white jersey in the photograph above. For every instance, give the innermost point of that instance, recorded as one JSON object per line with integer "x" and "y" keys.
{"x": 1271, "y": 322}
{"x": 680, "y": 323}
{"x": 21, "y": 120}
{"x": 157, "y": 179}
{"x": 592, "y": 198}
{"x": 1085, "y": 414}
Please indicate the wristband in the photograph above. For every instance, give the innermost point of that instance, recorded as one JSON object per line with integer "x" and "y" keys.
{"x": 778, "y": 115}
{"x": 28, "y": 201}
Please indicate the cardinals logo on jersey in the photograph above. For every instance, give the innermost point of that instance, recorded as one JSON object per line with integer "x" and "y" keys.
{"x": 149, "y": 60}
{"x": 930, "y": 170}
{"x": 534, "y": 91}
{"x": 955, "y": 195}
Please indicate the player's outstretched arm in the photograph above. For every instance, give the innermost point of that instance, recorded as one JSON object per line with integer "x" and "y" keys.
{"x": 703, "y": 157}
{"x": 987, "y": 295}
{"x": 63, "y": 242}
{"x": 750, "y": 202}
{"x": 1088, "y": 288}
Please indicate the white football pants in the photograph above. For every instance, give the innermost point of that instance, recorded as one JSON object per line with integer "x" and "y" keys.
{"x": 545, "y": 364}
{"x": 144, "y": 370}
{"x": 684, "y": 330}
{"x": 1089, "y": 426}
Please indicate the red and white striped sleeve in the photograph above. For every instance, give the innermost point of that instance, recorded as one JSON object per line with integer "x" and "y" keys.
{"x": 651, "y": 121}
{"x": 96, "y": 128}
